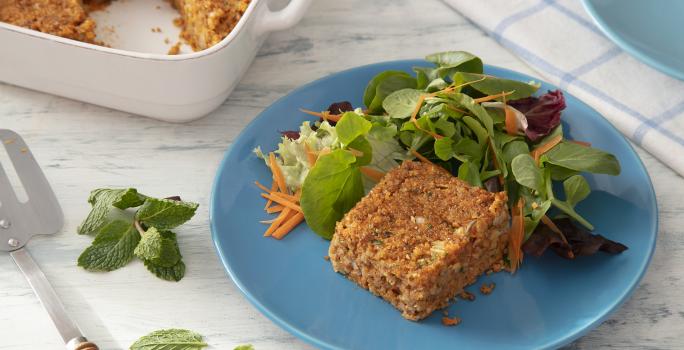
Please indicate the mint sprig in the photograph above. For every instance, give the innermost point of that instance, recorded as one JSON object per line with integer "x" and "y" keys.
{"x": 122, "y": 234}
{"x": 170, "y": 339}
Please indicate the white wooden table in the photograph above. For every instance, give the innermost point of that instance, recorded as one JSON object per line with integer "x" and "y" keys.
{"x": 82, "y": 147}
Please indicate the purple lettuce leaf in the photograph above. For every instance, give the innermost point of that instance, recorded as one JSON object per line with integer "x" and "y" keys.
{"x": 543, "y": 113}
{"x": 580, "y": 242}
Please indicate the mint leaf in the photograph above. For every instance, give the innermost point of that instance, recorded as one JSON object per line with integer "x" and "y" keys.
{"x": 104, "y": 202}
{"x": 159, "y": 248}
{"x": 121, "y": 198}
{"x": 174, "y": 273}
{"x": 165, "y": 214}
{"x": 244, "y": 347}
{"x": 112, "y": 248}
{"x": 170, "y": 339}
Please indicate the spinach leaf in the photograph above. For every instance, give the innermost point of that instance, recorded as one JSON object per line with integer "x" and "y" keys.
{"x": 477, "y": 110}
{"x": 570, "y": 211}
{"x": 444, "y": 149}
{"x": 383, "y": 85}
{"x": 436, "y": 85}
{"x": 351, "y": 126}
{"x": 453, "y": 61}
{"x": 559, "y": 173}
{"x": 581, "y": 158}
{"x": 369, "y": 93}
{"x": 492, "y": 85}
{"x": 527, "y": 173}
{"x": 487, "y": 174}
{"x": 469, "y": 172}
{"x": 513, "y": 149}
{"x": 424, "y": 75}
{"x": 576, "y": 189}
{"x": 362, "y": 145}
{"x": 401, "y": 103}
{"x": 331, "y": 189}
{"x": 445, "y": 127}
{"x": 477, "y": 128}
{"x": 503, "y": 138}
{"x": 468, "y": 150}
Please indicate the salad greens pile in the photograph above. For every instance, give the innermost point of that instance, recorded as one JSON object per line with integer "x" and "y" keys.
{"x": 121, "y": 234}
{"x": 492, "y": 132}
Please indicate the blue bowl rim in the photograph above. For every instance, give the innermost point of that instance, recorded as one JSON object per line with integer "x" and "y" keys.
{"x": 629, "y": 48}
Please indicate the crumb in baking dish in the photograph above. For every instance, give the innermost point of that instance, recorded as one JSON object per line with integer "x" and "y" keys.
{"x": 175, "y": 49}
{"x": 419, "y": 237}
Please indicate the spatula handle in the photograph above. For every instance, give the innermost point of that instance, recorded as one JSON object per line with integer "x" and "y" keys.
{"x": 70, "y": 333}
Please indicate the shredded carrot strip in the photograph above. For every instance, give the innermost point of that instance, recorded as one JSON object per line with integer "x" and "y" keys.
{"x": 310, "y": 155}
{"x": 373, "y": 174}
{"x": 492, "y": 97}
{"x": 291, "y": 223}
{"x": 284, "y": 215}
{"x": 582, "y": 143}
{"x": 334, "y": 118}
{"x": 517, "y": 233}
{"x": 275, "y": 209}
{"x": 273, "y": 188}
{"x": 539, "y": 151}
{"x": 282, "y": 201}
{"x": 277, "y": 173}
{"x": 287, "y": 197}
{"x": 511, "y": 122}
{"x": 325, "y": 115}
{"x": 262, "y": 187}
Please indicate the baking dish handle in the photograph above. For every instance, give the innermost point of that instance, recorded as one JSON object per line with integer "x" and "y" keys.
{"x": 285, "y": 18}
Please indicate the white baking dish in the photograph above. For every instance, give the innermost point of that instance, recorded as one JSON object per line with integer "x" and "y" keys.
{"x": 172, "y": 88}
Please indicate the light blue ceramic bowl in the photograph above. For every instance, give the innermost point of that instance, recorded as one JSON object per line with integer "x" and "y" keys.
{"x": 546, "y": 304}
{"x": 651, "y": 31}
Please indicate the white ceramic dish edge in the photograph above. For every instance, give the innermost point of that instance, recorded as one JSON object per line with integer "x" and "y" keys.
{"x": 177, "y": 88}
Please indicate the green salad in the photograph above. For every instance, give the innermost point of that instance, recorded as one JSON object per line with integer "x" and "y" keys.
{"x": 495, "y": 133}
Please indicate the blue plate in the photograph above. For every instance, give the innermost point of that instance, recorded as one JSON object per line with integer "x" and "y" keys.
{"x": 648, "y": 30}
{"x": 546, "y": 304}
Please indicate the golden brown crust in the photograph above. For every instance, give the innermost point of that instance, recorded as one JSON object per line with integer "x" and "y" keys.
{"x": 65, "y": 18}
{"x": 419, "y": 237}
{"x": 204, "y": 22}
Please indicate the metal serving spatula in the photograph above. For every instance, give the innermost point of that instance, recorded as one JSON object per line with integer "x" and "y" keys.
{"x": 40, "y": 215}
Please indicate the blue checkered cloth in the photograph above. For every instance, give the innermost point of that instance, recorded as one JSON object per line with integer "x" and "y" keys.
{"x": 559, "y": 40}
